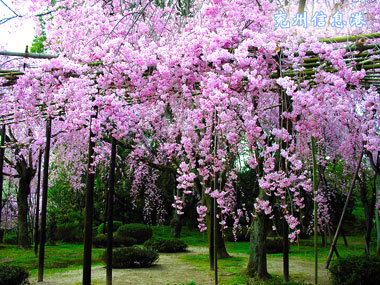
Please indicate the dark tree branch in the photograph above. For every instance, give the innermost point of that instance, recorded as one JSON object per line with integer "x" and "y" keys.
{"x": 375, "y": 167}
{"x": 9, "y": 8}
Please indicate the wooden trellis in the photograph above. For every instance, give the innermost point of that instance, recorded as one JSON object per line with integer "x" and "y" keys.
{"x": 360, "y": 52}
{"x": 358, "y": 57}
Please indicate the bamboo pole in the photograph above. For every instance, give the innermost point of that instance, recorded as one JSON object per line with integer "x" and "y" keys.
{"x": 315, "y": 185}
{"x": 110, "y": 210}
{"x": 350, "y": 38}
{"x": 45, "y": 186}
{"x": 8, "y": 71}
{"x": 30, "y": 55}
{"x": 343, "y": 212}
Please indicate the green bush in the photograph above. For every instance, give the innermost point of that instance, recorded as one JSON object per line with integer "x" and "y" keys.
{"x": 355, "y": 270}
{"x": 166, "y": 245}
{"x": 69, "y": 232}
{"x": 274, "y": 245}
{"x": 132, "y": 257}
{"x": 10, "y": 239}
{"x": 140, "y": 232}
{"x": 13, "y": 275}
{"x": 126, "y": 241}
{"x": 115, "y": 226}
{"x": 101, "y": 241}
{"x": 242, "y": 234}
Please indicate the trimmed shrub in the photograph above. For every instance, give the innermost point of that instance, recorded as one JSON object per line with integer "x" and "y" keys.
{"x": 140, "y": 232}
{"x": 101, "y": 241}
{"x": 115, "y": 225}
{"x": 126, "y": 241}
{"x": 242, "y": 234}
{"x": 274, "y": 245}
{"x": 166, "y": 245}
{"x": 132, "y": 257}
{"x": 13, "y": 275}
{"x": 69, "y": 232}
{"x": 355, "y": 270}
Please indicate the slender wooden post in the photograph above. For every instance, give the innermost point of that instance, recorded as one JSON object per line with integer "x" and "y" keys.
{"x": 313, "y": 151}
{"x": 214, "y": 217}
{"x": 36, "y": 234}
{"x": 212, "y": 235}
{"x": 215, "y": 247}
{"x": 111, "y": 189}
{"x": 45, "y": 186}
{"x": 2, "y": 152}
{"x": 89, "y": 209}
{"x": 285, "y": 244}
{"x": 343, "y": 212}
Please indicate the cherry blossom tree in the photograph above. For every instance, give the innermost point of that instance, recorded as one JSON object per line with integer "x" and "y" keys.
{"x": 189, "y": 89}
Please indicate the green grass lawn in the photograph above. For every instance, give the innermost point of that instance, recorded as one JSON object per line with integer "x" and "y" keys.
{"x": 65, "y": 257}
{"x": 61, "y": 257}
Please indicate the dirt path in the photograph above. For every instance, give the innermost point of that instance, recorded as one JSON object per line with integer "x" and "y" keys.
{"x": 169, "y": 270}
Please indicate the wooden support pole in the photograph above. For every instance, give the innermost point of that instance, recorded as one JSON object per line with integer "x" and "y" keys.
{"x": 215, "y": 242}
{"x": 89, "y": 209}
{"x": 45, "y": 186}
{"x": 111, "y": 190}
{"x": 36, "y": 223}
{"x": 214, "y": 217}
{"x": 212, "y": 247}
{"x": 343, "y": 212}
{"x": 315, "y": 185}
{"x": 2, "y": 153}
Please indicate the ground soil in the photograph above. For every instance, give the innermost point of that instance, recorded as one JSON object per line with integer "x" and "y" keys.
{"x": 170, "y": 270}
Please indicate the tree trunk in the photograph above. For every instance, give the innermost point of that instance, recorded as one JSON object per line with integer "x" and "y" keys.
{"x": 220, "y": 245}
{"x": 23, "y": 208}
{"x": 176, "y": 225}
{"x": 368, "y": 210}
{"x": 370, "y": 220}
{"x": 344, "y": 238}
{"x": 301, "y": 6}
{"x": 257, "y": 263}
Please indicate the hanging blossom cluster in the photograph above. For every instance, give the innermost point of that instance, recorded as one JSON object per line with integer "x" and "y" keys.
{"x": 287, "y": 187}
{"x": 144, "y": 187}
{"x": 202, "y": 210}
